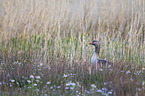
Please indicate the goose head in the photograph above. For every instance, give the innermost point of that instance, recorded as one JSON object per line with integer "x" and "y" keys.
{"x": 97, "y": 46}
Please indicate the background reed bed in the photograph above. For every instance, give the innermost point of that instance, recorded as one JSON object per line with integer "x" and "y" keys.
{"x": 44, "y": 47}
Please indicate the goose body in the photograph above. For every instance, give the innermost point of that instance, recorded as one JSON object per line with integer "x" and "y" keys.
{"x": 95, "y": 58}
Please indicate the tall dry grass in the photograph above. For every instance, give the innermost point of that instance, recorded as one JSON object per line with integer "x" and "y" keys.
{"x": 56, "y": 33}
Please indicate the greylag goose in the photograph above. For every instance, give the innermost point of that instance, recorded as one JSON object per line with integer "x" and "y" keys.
{"x": 95, "y": 58}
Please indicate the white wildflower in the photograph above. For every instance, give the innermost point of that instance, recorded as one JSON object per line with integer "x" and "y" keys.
{"x": 71, "y": 87}
{"x": 17, "y": 83}
{"x": 35, "y": 84}
{"x": 66, "y": 87}
{"x": 41, "y": 64}
{"x": 10, "y": 85}
{"x": 99, "y": 90}
{"x": 51, "y": 87}
{"x": 37, "y": 77}
{"x": 131, "y": 79}
{"x": 58, "y": 86}
{"x": 67, "y": 84}
{"x": 37, "y": 90}
{"x": 70, "y": 83}
{"x": 109, "y": 92}
{"x": 12, "y": 81}
{"x": 28, "y": 81}
{"x": 143, "y": 83}
{"x": 65, "y": 75}
{"x": 143, "y": 69}
{"x": 73, "y": 84}
{"x": 37, "y": 81}
{"x": 100, "y": 69}
{"x": 128, "y": 72}
{"x": 48, "y": 82}
{"x": 31, "y": 76}
{"x": 93, "y": 85}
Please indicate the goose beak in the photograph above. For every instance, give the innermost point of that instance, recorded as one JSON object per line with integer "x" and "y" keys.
{"x": 91, "y": 43}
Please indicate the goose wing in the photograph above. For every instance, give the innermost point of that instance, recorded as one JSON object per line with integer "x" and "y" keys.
{"x": 104, "y": 62}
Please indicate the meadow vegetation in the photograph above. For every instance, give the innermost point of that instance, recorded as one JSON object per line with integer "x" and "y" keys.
{"x": 44, "y": 47}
